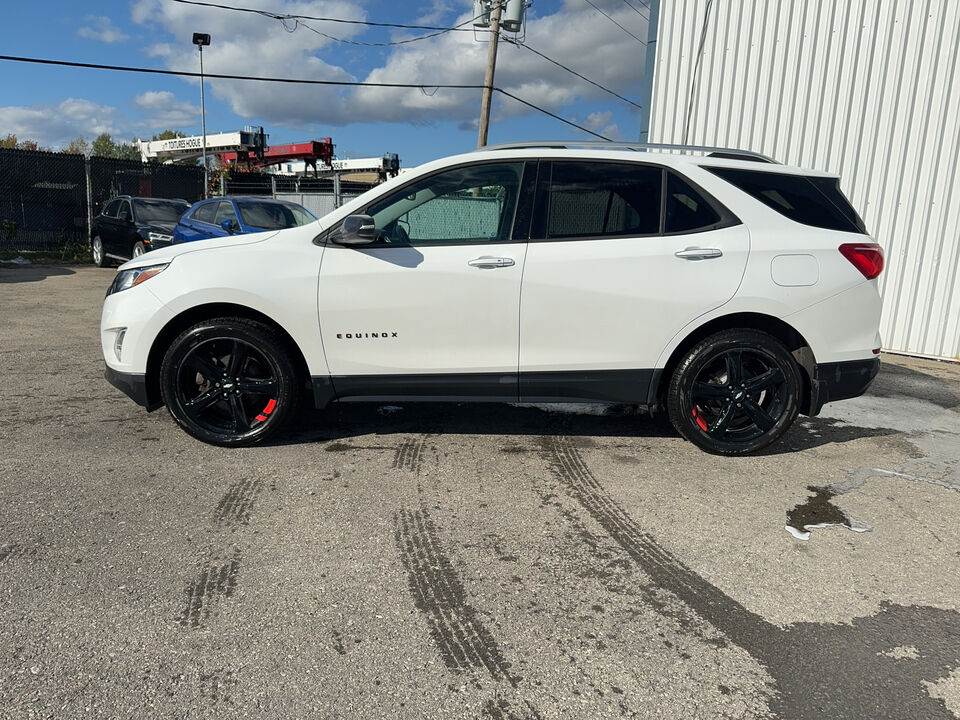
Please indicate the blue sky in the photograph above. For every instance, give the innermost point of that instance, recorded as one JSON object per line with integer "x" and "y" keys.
{"x": 54, "y": 105}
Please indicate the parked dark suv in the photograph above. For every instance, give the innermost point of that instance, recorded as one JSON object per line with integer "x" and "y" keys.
{"x": 130, "y": 226}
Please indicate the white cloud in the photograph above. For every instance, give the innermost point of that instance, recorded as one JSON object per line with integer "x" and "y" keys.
{"x": 101, "y": 28}
{"x": 58, "y": 124}
{"x": 249, "y": 44}
{"x": 162, "y": 110}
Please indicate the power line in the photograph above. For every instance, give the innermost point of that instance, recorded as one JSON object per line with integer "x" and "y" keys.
{"x": 301, "y": 23}
{"x": 574, "y": 72}
{"x": 181, "y": 73}
{"x": 588, "y": 2}
{"x": 553, "y": 115}
{"x": 636, "y": 9}
{"x": 281, "y": 16}
{"x": 222, "y": 76}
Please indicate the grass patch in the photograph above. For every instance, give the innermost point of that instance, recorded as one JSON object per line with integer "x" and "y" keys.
{"x": 70, "y": 254}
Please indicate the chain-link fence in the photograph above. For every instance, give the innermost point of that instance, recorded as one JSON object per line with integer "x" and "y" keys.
{"x": 318, "y": 195}
{"x": 47, "y": 199}
{"x": 42, "y": 199}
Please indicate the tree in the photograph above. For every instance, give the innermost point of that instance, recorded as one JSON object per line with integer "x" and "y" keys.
{"x": 104, "y": 146}
{"x": 169, "y": 135}
{"x": 78, "y": 146}
{"x": 11, "y": 142}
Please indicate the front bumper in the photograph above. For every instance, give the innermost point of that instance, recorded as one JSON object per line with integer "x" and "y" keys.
{"x": 840, "y": 381}
{"x": 133, "y": 385}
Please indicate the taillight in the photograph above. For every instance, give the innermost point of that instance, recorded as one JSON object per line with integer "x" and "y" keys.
{"x": 866, "y": 257}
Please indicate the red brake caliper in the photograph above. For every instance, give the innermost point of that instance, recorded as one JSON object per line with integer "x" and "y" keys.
{"x": 701, "y": 423}
{"x": 269, "y": 409}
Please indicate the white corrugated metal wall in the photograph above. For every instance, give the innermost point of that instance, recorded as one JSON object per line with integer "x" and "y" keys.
{"x": 869, "y": 89}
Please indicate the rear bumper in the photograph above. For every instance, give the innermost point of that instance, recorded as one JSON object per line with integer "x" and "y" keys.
{"x": 840, "y": 381}
{"x": 133, "y": 385}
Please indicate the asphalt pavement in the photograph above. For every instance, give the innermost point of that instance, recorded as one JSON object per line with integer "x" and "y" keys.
{"x": 461, "y": 561}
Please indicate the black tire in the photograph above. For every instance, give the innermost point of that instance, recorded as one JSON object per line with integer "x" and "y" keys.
{"x": 734, "y": 392}
{"x": 138, "y": 249}
{"x": 230, "y": 381}
{"x": 99, "y": 255}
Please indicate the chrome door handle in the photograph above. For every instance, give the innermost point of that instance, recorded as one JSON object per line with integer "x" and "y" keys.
{"x": 491, "y": 262}
{"x": 695, "y": 253}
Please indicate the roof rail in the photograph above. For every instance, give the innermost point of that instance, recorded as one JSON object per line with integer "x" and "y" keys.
{"x": 730, "y": 153}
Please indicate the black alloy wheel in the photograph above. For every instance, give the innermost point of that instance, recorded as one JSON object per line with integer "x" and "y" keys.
{"x": 735, "y": 392}
{"x": 229, "y": 381}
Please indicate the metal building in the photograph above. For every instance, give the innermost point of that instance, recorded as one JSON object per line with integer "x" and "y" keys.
{"x": 869, "y": 89}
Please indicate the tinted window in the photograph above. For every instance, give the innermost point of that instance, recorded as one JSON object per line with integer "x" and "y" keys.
{"x": 810, "y": 201}
{"x": 205, "y": 213}
{"x": 468, "y": 204}
{"x": 271, "y": 215}
{"x": 168, "y": 211}
{"x": 686, "y": 209}
{"x": 124, "y": 210}
{"x": 111, "y": 209}
{"x": 591, "y": 199}
{"x": 830, "y": 187}
{"x": 225, "y": 211}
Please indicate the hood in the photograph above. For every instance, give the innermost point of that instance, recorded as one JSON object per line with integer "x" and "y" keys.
{"x": 165, "y": 254}
{"x": 161, "y": 227}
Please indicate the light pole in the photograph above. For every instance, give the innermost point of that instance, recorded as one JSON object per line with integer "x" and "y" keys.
{"x": 201, "y": 39}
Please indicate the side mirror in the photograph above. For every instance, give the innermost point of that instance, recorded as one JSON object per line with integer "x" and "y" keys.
{"x": 125, "y": 216}
{"x": 228, "y": 225}
{"x": 356, "y": 230}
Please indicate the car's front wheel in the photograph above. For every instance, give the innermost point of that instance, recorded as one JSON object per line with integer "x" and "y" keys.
{"x": 229, "y": 381}
{"x": 96, "y": 249}
{"x": 734, "y": 392}
{"x": 139, "y": 249}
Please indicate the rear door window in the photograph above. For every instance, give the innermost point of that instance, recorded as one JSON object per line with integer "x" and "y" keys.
{"x": 814, "y": 201}
{"x": 205, "y": 213}
{"x": 686, "y": 210}
{"x": 598, "y": 199}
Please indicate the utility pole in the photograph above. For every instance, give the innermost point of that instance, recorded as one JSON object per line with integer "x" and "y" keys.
{"x": 491, "y": 68}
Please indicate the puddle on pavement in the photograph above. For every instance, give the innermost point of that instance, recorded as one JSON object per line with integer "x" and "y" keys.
{"x": 818, "y": 512}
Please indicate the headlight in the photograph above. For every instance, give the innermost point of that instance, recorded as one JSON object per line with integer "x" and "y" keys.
{"x": 128, "y": 278}
{"x": 156, "y": 237}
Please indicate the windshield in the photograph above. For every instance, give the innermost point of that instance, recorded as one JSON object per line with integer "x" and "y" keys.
{"x": 165, "y": 211}
{"x": 273, "y": 215}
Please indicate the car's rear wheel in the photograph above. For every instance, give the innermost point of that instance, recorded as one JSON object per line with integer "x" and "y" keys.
{"x": 229, "y": 381}
{"x": 734, "y": 392}
{"x": 96, "y": 249}
{"x": 139, "y": 249}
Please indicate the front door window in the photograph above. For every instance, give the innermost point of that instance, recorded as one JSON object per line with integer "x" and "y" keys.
{"x": 474, "y": 204}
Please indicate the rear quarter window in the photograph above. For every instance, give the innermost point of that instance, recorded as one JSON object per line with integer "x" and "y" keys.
{"x": 814, "y": 201}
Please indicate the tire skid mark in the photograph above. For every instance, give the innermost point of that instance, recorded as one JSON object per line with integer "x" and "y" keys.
{"x": 234, "y": 508}
{"x": 217, "y": 579}
{"x": 499, "y": 709}
{"x": 217, "y": 687}
{"x": 409, "y": 454}
{"x": 465, "y": 644}
{"x": 14, "y": 550}
{"x": 663, "y": 568}
{"x": 818, "y": 669}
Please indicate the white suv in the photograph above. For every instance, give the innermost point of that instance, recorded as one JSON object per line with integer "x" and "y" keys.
{"x": 720, "y": 287}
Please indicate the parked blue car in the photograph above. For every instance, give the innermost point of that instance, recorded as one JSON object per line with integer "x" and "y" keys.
{"x": 218, "y": 217}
